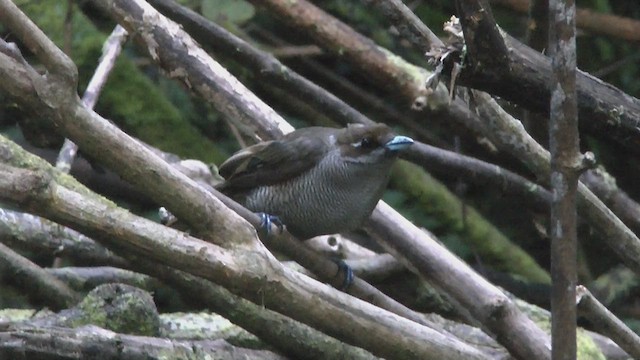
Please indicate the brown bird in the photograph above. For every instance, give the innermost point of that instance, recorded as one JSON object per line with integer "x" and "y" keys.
{"x": 315, "y": 180}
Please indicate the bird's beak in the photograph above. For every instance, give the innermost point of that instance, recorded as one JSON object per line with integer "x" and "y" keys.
{"x": 398, "y": 143}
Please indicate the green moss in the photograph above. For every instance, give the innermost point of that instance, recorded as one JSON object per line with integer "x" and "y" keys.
{"x": 120, "y": 308}
{"x": 587, "y": 348}
{"x": 16, "y": 156}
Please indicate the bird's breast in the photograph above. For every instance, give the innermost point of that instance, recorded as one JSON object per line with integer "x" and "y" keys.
{"x": 334, "y": 196}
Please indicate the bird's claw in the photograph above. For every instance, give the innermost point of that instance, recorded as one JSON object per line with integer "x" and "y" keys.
{"x": 266, "y": 220}
{"x": 348, "y": 274}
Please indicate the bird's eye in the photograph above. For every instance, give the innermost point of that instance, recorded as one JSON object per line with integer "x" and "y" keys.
{"x": 367, "y": 143}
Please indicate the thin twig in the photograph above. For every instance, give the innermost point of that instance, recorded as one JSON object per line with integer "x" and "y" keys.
{"x": 110, "y": 52}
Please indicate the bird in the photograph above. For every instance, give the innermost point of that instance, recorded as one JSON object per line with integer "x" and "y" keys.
{"x": 315, "y": 180}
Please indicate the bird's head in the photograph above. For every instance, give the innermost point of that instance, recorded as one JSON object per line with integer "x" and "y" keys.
{"x": 370, "y": 143}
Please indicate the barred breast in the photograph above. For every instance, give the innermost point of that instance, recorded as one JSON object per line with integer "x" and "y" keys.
{"x": 332, "y": 197}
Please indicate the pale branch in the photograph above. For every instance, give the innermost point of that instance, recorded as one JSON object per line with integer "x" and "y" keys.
{"x": 111, "y": 50}
{"x": 605, "y": 188}
{"x": 377, "y": 267}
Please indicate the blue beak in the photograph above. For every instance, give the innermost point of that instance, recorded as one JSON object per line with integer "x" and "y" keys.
{"x": 398, "y": 143}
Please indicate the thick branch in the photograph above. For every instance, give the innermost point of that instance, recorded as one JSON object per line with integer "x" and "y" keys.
{"x": 482, "y": 37}
{"x": 408, "y": 24}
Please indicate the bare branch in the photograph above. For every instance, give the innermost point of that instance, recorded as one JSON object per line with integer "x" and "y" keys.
{"x": 487, "y": 304}
{"x": 606, "y": 322}
{"x": 36, "y": 281}
{"x": 111, "y": 50}
{"x": 408, "y": 24}
{"x": 338, "y": 38}
{"x": 565, "y": 171}
{"x": 229, "y": 96}
{"x": 47, "y": 52}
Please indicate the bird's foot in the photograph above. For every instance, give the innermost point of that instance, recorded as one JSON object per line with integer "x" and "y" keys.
{"x": 266, "y": 220}
{"x": 347, "y": 271}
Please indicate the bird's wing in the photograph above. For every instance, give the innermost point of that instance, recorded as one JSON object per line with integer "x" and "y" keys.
{"x": 271, "y": 162}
